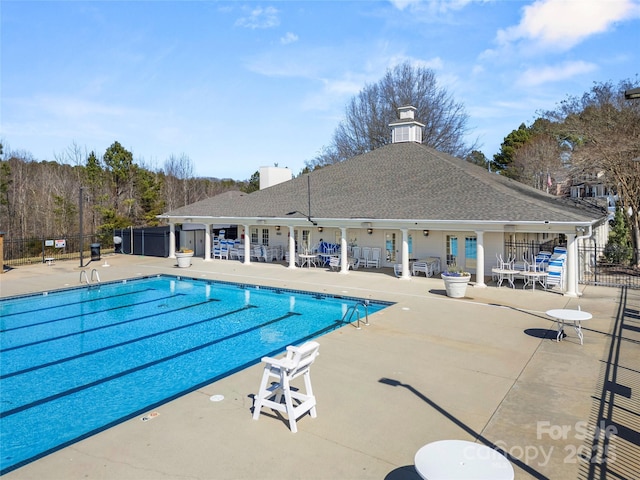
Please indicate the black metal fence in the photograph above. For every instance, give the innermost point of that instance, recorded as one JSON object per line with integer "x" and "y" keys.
{"x": 595, "y": 269}
{"x": 528, "y": 250}
{"x": 152, "y": 242}
{"x": 27, "y": 251}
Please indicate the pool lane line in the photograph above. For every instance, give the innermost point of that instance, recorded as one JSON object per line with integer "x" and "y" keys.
{"x": 104, "y": 310}
{"x": 103, "y": 327}
{"x": 163, "y": 401}
{"x": 144, "y": 366}
{"x": 122, "y": 344}
{"x": 63, "y": 305}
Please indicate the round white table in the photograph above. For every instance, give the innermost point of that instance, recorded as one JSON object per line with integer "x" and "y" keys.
{"x": 531, "y": 278}
{"x": 562, "y": 315}
{"x": 505, "y": 274}
{"x": 308, "y": 259}
{"x": 459, "y": 459}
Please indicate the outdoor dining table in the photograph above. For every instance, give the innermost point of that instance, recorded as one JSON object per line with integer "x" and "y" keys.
{"x": 449, "y": 459}
{"x": 562, "y": 315}
{"x": 531, "y": 278}
{"x": 505, "y": 274}
{"x": 308, "y": 259}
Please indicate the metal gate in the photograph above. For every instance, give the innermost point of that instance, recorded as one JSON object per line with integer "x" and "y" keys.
{"x": 594, "y": 269}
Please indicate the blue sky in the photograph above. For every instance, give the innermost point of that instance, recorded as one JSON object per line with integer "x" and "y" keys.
{"x": 236, "y": 85}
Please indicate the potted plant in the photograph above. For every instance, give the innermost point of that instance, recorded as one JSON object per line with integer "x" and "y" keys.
{"x": 455, "y": 281}
{"x": 184, "y": 257}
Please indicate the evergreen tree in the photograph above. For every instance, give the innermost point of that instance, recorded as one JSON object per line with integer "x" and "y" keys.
{"x": 618, "y": 248}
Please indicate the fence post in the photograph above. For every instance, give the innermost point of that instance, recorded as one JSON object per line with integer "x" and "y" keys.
{"x": 595, "y": 261}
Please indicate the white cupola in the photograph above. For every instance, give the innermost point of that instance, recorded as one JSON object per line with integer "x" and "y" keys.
{"x": 406, "y": 129}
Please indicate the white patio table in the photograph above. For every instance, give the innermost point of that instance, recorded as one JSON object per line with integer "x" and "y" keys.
{"x": 531, "y": 278}
{"x": 505, "y": 274}
{"x": 562, "y": 315}
{"x": 307, "y": 259}
{"x": 449, "y": 459}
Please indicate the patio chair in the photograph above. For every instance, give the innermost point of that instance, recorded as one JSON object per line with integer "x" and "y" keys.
{"x": 418, "y": 267}
{"x": 374, "y": 261}
{"x": 542, "y": 261}
{"x": 297, "y": 362}
{"x": 366, "y": 255}
{"x": 334, "y": 263}
{"x": 221, "y": 251}
{"x": 397, "y": 269}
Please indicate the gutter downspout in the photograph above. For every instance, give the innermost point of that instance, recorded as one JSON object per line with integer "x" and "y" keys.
{"x": 572, "y": 263}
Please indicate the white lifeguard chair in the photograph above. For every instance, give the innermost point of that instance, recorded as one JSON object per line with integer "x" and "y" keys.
{"x": 294, "y": 364}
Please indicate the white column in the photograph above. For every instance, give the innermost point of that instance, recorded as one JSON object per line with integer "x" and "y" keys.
{"x": 207, "y": 242}
{"x": 292, "y": 247}
{"x": 247, "y": 245}
{"x": 172, "y": 240}
{"x": 571, "y": 266}
{"x": 406, "y": 274}
{"x": 480, "y": 260}
{"x": 344, "y": 252}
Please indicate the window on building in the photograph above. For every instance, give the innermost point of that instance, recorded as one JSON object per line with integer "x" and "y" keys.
{"x": 265, "y": 236}
{"x": 452, "y": 250}
{"x": 471, "y": 252}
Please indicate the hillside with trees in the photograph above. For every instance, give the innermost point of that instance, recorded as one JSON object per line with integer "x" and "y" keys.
{"x": 42, "y": 198}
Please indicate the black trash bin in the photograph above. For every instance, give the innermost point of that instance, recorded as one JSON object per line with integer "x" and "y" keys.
{"x": 95, "y": 252}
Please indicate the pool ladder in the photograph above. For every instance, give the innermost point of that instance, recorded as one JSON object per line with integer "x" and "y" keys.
{"x": 355, "y": 310}
{"x": 94, "y": 275}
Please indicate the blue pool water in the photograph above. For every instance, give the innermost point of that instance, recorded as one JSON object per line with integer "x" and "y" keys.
{"x": 75, "y": 362}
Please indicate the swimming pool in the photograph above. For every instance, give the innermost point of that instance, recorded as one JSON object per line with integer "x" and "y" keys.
{"x": 75, "y": 362}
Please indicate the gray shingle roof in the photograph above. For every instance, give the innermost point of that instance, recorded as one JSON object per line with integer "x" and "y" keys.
{"x": 402, "y": 181}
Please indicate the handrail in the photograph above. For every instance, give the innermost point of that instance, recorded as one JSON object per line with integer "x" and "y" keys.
{"x": 354, "y": 309}
{"x": 85, "y": 275}
{"x": 97, "y": 275}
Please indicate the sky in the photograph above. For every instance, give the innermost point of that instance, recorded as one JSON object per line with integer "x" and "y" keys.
{"x": 236, "y": 85}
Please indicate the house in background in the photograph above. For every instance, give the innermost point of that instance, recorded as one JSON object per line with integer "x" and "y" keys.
{"x": 409, "y": 200}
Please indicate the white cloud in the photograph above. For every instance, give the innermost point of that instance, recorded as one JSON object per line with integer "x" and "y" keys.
{"x": 538, "y": 76}
{"x": 565, "y": 23}
{"x": 434, "y": 6}
{"x": 289, "y": 38}
{"x": 259, "y": 18}
{"x": 402, "y": 4}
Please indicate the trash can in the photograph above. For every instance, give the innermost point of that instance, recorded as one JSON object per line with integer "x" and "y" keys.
{"x": 95, "y": 252}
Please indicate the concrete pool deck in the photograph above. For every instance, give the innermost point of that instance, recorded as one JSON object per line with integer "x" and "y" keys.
{"x": 485, "y": 368}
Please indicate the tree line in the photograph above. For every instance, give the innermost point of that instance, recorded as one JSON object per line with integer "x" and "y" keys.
{"x": 42, "y": 198}
{"x": 591, "y": 138}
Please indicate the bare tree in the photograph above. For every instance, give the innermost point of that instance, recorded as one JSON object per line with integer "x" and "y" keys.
{"x": 368, "y": 115}
{"x": 537, "y": 161}
{"x": 604, "y": 129}
{"x": 178, "y": 181}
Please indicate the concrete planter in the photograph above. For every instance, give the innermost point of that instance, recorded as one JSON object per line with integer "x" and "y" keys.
{"x": 456, "y": 287}
{"x": 184, "y": 259}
